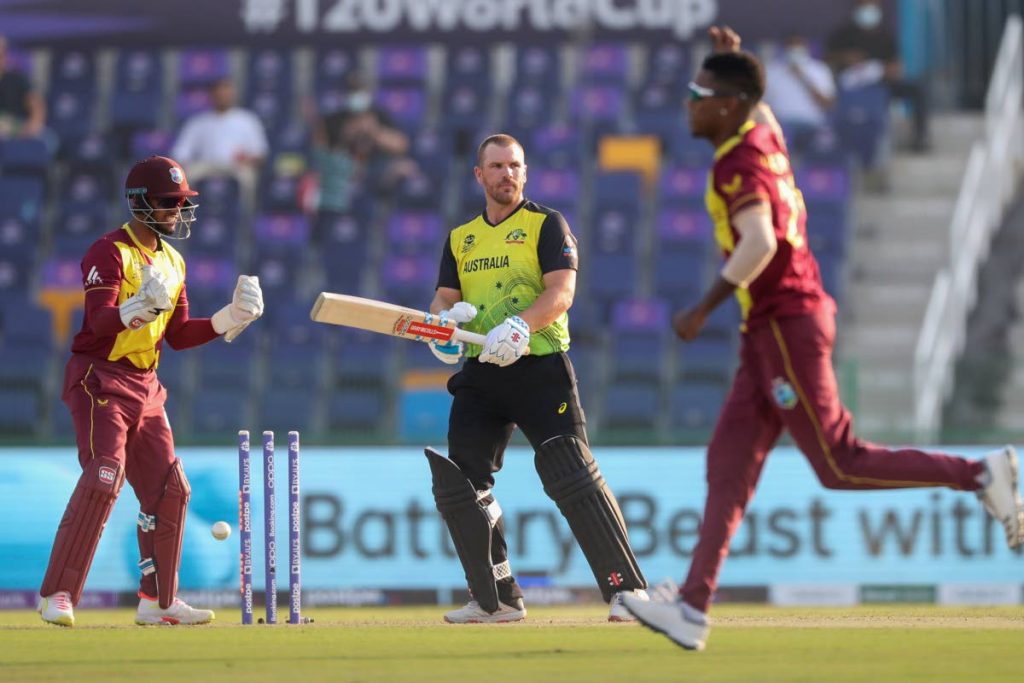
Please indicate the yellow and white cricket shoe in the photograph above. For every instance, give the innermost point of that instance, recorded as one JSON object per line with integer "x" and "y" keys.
{"x": 684, "y": 625}
{"x": 617, "y": 611}
{"x": 179, "y": 613}
{"x": 1001, "y": 496}
{"x": 57, "y": 609}
{"x": 473, "y": 613}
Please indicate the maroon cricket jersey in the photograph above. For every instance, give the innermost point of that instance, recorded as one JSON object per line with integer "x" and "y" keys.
{"x": 753, "y": 167}
{"x": 112, "y": 273}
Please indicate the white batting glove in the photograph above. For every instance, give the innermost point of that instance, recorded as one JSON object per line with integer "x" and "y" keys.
{"x": 451, "y": 351}
{"x": 246, "y": 305}
{"x": 152, "y": 299}
{"x": 506, "y": 342}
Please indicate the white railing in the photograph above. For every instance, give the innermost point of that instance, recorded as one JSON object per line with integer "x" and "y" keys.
{"x": 993, "y": 169}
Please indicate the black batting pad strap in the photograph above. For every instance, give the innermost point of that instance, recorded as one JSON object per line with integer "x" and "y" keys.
{"x": 572, "y": 479}
{"x": 465, "y": 514}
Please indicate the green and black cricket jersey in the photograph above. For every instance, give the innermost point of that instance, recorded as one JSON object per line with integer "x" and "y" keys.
{"x": 500, "y": 269}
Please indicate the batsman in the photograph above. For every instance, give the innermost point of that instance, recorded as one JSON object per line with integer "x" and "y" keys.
{"x": 135, "y": 299}
{"x": 510, "y": 273}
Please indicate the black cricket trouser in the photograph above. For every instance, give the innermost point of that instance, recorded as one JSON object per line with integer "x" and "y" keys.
{"x": 537, "y": 393}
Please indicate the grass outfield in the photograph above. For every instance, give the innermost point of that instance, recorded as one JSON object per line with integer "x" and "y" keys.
{"x": 564, "y": 644}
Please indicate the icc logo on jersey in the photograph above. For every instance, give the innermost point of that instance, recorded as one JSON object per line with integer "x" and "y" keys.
{"x": 783, "y": 393}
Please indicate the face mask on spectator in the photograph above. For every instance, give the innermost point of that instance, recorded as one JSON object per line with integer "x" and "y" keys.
{"x": 358, "y": 101}
{"x": 867, "y": 16}
{"x": 797, "y": 54}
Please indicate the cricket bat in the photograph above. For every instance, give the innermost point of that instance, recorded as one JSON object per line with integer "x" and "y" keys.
{"x": 385, "y": 318}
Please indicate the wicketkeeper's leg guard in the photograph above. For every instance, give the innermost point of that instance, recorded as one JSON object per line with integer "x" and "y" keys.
{"x": 81, "y": 527}
{"x": 474, "y": 521}
{"x": 161, "y": 534}
{"x": 572, "y": 479}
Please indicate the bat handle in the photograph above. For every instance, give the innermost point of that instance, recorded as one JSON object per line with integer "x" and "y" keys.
{"x": 469, "y": 337}
{"x": 474, "y": 338}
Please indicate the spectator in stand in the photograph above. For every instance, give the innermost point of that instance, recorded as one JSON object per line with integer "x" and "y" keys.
{"x": 22, "y": 109}
{"x": 864, "y": 51}
{"x": 226, "y": 141}
{"x": 801, "y": 91}
{"x": 354, "y": 148}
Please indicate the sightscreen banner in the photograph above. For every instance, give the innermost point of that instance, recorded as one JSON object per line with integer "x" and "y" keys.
{"x": 369, "y": 522}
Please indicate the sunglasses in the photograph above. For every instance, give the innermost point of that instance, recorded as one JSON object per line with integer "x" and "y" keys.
{"x": 165, "y": 203}
{"x": 699, "y": 92}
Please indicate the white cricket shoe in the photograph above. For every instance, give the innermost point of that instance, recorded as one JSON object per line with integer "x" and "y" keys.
{"x": 1001, "y": 497}
{"x": 617, "y": 611}
{"x": 683, "y": 624}
{"x": 180, "y": 612}
{"x": 57, "y": 609}
{"x": 473, "y": 613}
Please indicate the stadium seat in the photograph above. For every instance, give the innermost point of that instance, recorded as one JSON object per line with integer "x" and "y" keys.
{"x": 24, "y": 324}
{"x": 218, "y": 412}
{"x": 228, "y": 365}
{"x": 21, "y": 197}
{"x": 695, "y": 406}
{"x": 409, "y": 280}
{"x": 287, "y": 408}
{"x": 614, "y": 229}
{"x": 468, "y": 64}
{"x": 176, "y": 370}
{"x": 414, "y": 232}
{"x": 604, "y": 63}
{"x": 406, "y": 106}
{"x": 353, "y": 409}
{"x": 402, "y": 65}
{"x": 361, "y": 359}
{"x": 556, "y": 188}
{"x": 612, "y": 276}
{"x": 600, "y": 103}
{"x": 24, "y": 365}
{"x": 623, "y": 189}
{"x": 28, "y": 156}
{"x": 73, "y": 71}
{"x": 270, "y": 71}
{"x": 21, "y": 411}
{"x": 333, "y": 65}
{"x": 199, "y": 67}
{"x": 631, "y": 405}
{"x": 17, "y": 238}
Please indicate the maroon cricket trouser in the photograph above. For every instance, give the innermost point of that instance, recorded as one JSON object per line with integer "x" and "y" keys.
{"x": 119, "y": 413}
{"x": 785, "y": 381}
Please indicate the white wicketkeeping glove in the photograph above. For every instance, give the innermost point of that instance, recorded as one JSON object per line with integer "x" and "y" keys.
{"x": 246, "y": 305}
{"x": 150, "y": 301}
{"x": 506, "y": 342}
{"x": 451, "y": 351}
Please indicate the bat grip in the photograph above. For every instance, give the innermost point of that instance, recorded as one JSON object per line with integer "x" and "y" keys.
{"x": 469, "y": 337}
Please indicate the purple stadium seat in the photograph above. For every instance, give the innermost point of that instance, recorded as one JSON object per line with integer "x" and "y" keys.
{"x": 668, "y": 63}
{"x": 830, "y": 183}
{"x": 696, "y": 406}
{"x": 139, "y": 72}
{"x": 605, "y": 63}
{"x": 680, "y": 274}
{"x": 614, "y": 230}
{"x": 200, "y": 67}
{"x": 190, "y": 102}
{"x": 538, "y": 65}
{"x": 555, "y": 188}
{"x": 414, "y": 230}
{"x": 682, "y": 228}
{"x": 17, "y": 238}
{"x": 73, "y": 70}
{"x": 61, "y": 273}
{"x": 70, "y": 114}
{"x": 211, "y": 273}
{"x": 213, "y": 235}
{"x": 624, "y": 189}
{"x": 407, "y": 106}
{"x": 612, "y": 276}
{"x": 24, "y": 155}
{"x": 402, "y": 64}
{"x": 333, "y": 65}
{"x": 282, "y": 230}
{"x": 149, "y": 142}
{"x": 682, "y": 185}
{"x": 14, "y": 273}
{"x": 270, "y": 71}
{"x": 21, "y": 197}
{"x": 597, "y": 102}
{"x": 641, "y": 315}
{"x": 631, "y": 405}
{"x": 468, "y": 64}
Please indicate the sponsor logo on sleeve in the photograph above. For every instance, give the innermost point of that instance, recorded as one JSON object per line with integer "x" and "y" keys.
{"x": 93, "y": 277}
